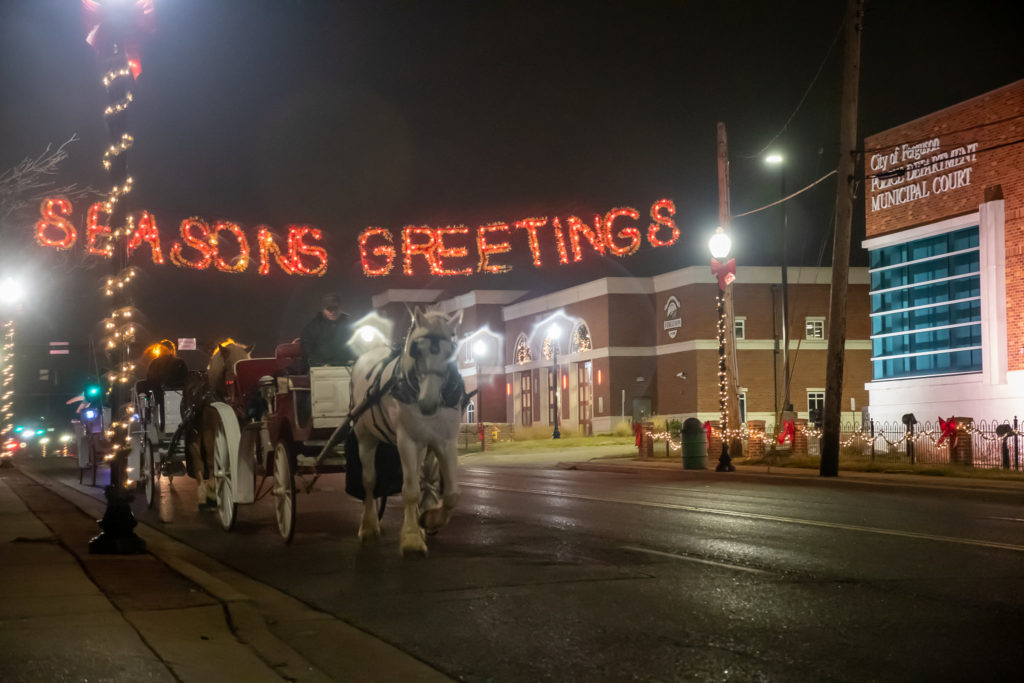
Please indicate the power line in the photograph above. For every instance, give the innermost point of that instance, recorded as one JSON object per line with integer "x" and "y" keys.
{"x": 787, "y": 198}
{"x": 807, "y": 92}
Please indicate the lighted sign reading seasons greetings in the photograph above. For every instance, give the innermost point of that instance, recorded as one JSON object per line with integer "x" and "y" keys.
{"x": 421, "y": 249}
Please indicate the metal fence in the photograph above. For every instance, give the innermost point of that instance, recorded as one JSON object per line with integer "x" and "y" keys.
{"x": 993, "y": 444}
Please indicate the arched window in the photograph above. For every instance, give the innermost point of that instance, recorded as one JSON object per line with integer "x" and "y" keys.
{"x": 471, "y": 412}
{"x": 581, "y": 338}
{"x": 523, "y": 354}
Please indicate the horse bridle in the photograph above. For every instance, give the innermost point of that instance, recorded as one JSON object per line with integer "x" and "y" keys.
{"x": 435, "y": 347}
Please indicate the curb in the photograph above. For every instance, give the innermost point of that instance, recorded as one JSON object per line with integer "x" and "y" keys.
{"x": 845, "y": 478}
{"x": 243, "y": 618}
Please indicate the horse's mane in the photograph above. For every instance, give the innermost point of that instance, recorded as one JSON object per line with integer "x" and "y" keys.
{"x": 224, "y": 358}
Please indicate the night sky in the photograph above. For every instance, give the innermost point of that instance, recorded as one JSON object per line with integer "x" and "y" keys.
{"x": 345, "y": 115}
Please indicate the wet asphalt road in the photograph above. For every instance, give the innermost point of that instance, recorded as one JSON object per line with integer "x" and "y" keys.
{"x": 548, "y": 574}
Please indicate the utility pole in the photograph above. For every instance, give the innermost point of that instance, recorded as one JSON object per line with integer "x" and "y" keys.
{"x": 725, "y": 221}
{"x": 841, "y": 246}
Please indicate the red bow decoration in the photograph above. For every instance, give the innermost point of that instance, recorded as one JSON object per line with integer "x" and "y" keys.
{"x": 707, "y": 431}
{"x": 788, "y": 432}
{"x": 948, "y": 431}
{"x": 725, "y": 272}
{"x": 638, "y": 431}
{"x": 120, "y": 22}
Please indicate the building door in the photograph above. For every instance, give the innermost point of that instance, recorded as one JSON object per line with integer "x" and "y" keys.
{"x": 584, "y": 372}
{"x": 527, "y": 398}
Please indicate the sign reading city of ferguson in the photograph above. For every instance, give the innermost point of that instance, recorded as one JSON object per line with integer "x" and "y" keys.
{"x": 910, "y": 172}
{"x": 440, "y": 251}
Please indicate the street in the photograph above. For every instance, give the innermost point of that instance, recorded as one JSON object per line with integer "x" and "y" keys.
{"x": 569, "y": 574}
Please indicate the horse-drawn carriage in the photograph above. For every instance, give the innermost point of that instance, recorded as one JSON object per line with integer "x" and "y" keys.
{"x": 268, "y": 418}
{"x": 159, "y": 447}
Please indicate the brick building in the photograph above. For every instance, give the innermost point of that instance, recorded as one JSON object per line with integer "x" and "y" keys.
{"x": 633, "y": 347}
{"x": 945, "y": 235}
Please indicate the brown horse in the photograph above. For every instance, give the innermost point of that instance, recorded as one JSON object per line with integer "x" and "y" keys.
{"x": 202, "y": 389}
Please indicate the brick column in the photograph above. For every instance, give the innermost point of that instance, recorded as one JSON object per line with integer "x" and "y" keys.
{"x": 963, "y": 452}
{"x": 756, "y": 442}
{"x": 715, "y": 443}
{"x": 800, "y": 438}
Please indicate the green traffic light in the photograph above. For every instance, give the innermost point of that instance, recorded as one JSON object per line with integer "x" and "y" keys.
{"x": 92, "y": 391}
{"x": 40, "y": 432}
{"x": 19, "y": 429}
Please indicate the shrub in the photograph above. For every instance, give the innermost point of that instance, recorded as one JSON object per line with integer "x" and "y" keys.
{"x": 623, "y": 428}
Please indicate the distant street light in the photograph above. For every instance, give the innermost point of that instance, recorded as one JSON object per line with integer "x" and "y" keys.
{"x": 777, "y": 160}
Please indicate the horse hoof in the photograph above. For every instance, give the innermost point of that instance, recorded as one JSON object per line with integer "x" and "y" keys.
{"x": 418, "y": 549}
{"x": 432, "y": 520}
{"x": 368, "y": 536}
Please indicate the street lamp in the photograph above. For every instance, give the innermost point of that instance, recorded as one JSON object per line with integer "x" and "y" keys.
{"x": 719, "y": 245}
{"x": 777, "y": 160}
{"x": 554, "y": 332}
{"x": 479, "y": 352}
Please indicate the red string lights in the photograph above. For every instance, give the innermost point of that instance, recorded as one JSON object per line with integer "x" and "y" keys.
{"x": 530, "y": 225}
{"x": 660, "y": 221}
{"x": 442, "y": 251}
{"x": 147, "y": 232}
{"x": 195, "y": 235}
{"x": 372, "y": 267}
{"x": 241, "y": 260}
{"x": 446, "y": 251}
{"x": 487, "y": 249}
{"x": 594, "y": 235}
{"x": 267, "y": 248}
{"x": 630, "y": 232}
{"x": 53, "y": 212}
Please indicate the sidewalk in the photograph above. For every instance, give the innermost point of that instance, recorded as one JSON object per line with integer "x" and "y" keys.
{"x": 172, "y": 614}
{"x": 795, "y": 474}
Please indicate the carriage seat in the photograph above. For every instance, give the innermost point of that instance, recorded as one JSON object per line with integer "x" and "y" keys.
{"x": 289, "y": 358}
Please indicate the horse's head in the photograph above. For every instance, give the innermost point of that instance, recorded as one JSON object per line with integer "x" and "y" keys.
{"x": 221, "y": 369}
{"x": 429, "y": 347}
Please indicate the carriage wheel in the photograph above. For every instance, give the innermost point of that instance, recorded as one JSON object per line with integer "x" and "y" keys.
{"x": 148, "y": 472}
{"x": 284, "y": 491}
{"x": 227, "y": 508}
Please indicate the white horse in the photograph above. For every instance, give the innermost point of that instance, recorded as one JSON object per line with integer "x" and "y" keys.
{"x": 416, "y": 400}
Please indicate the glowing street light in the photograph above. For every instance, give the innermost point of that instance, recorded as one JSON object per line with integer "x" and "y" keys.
{"x": 720, "y": 244}
{"x": 773, "y": 159}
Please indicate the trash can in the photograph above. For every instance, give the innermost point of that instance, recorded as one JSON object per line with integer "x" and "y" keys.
{"x": 695, "y": 445}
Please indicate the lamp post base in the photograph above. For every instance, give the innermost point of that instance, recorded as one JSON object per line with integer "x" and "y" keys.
{"x": 724, "y": 461}
{"x": 556, "y": 434}
{"x": 118, "y": 535}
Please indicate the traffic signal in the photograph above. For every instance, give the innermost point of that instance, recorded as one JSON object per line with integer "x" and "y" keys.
{"x": 19, "y": 429}
{"x": 92, "y": 391}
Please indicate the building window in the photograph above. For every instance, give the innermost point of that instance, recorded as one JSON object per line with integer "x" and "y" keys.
{"x": 523, "y": 354}
{"x": 471, "y": 411}
{"x": 926, "y": 306}
{"x": 743, "y": 407}
{"x": 527, "y": 399}
{"x": 815, "y": 327}
{"x": 815, "y": 399}
{"x": 581, "y": 338}
{"x": 740, "y": 327}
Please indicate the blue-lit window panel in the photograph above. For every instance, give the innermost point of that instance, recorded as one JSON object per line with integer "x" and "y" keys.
{"x": 923, "y": 318}
{"x": 926, "y": 308}
{"x": 965, "y": 238}
{"x": 922, "y": 295}
{"x": 932, "y": 340}
{"x": 926, "y": 271}
{"x": 947, "y": 363}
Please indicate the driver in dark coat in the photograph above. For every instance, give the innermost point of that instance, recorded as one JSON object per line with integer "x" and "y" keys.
{"x": 324, "y": 338}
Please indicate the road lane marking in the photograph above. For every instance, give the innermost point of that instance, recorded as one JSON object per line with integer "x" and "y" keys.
{"x": 689, "y": 558}
{"x": 756, "y": 515}
{"x": 1007, "y": 519}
